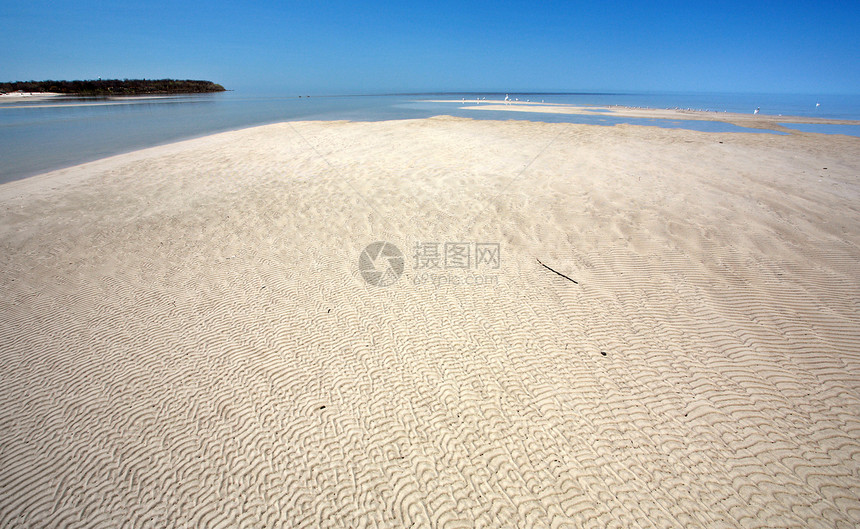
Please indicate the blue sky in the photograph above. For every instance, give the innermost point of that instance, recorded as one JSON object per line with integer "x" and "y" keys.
{"x": 372, "y": 47}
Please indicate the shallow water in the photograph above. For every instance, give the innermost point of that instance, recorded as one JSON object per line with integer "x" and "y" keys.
{"x": 39, "y": 136}
{"x": 849, "y": 130}
{"x": 585, "y": 119}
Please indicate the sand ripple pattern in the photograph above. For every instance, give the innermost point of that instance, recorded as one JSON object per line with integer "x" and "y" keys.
{"x": 185, "y": 339}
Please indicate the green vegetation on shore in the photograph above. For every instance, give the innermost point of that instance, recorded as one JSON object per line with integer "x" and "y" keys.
{"x": 108, "y": 87}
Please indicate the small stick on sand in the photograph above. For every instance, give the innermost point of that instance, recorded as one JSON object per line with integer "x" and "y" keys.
{"x": 556, "y": 271}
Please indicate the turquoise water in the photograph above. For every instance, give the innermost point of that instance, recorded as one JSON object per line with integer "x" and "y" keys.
{"x": 39, "y": 136}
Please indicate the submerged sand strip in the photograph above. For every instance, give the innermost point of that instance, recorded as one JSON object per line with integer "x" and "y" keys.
{"x": 187, "y": 340}
{"x": 759, "y": 121}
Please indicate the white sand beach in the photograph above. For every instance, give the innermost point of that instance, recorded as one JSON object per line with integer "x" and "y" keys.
{"x": 188, "y": 341}
{"x": 14, "y": 97}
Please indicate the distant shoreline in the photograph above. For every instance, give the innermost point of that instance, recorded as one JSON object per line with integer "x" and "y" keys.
{"x": 111, "y": 87}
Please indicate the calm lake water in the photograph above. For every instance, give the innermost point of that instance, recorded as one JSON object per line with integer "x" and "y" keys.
{"x": 39, "y": 136}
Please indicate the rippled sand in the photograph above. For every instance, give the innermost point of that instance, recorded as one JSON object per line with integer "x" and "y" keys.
{"x": 186, "y": 339}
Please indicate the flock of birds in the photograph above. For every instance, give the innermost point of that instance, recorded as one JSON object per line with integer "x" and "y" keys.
{"x": 508, "y": 100}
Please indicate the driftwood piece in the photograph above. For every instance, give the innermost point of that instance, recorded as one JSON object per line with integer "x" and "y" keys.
{"x": 557, "y": 272}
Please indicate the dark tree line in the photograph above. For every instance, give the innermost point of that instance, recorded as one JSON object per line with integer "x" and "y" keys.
{"x": 105, "y": 87}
